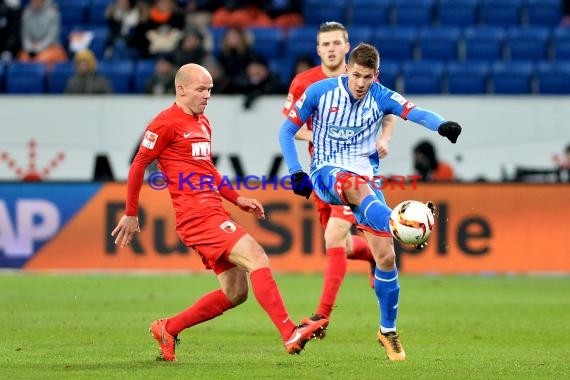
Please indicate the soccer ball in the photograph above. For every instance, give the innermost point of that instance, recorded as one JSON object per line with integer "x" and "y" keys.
{"x": 411, "y": 222}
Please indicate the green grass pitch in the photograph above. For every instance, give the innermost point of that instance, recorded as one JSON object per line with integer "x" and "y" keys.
{"x": 96, "y": 327}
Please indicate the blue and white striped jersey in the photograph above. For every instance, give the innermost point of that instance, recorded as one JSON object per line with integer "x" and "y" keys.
{"x": 345, "y": 129}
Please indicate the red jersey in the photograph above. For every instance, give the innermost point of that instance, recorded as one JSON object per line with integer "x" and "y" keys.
{"x": 297, "y": 88}
{"x": 182, "y": 144}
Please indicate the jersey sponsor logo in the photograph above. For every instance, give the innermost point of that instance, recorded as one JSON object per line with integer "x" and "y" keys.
{"x": 149, "y": 139}
{"x": 201, "y": 149}
{"x": 299, "y": 103}
{"x": 342, "y": 133}
{"x": 186, "y": 135}
{"x": 228, "y": 227}
{"x": 398, "y": 98}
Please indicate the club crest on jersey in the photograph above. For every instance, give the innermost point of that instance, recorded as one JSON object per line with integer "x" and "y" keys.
{"x": 301, "y": 100}
{"x": 149, "y": 139}
{"x": 228, "y": 227}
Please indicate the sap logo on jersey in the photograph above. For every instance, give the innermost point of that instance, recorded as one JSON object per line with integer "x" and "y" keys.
{"x": 341, "y": 133}
{"x": 35, "y": 220}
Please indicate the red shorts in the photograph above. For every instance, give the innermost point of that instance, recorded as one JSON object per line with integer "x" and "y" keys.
{"x": 326, "y": 211}
{"x": 212, "y": 234}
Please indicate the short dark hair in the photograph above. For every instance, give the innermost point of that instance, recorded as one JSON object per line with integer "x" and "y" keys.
{"x": 331, "y": 26}
{"x": 365, "y": 55}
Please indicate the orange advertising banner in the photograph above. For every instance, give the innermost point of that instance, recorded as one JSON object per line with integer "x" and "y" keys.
{"x": 480, "y": 228}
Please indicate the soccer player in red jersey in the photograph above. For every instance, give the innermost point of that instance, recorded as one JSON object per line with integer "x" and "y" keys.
{"x": 337, "y": 221}
{"x": 180, "y": 138}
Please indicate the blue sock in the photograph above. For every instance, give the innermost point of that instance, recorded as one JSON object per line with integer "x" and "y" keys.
{"x": 387, "y": 291}
{"x": 376, "y": 213}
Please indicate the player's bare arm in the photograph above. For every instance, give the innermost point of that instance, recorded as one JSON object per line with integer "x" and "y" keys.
{"x": 252, "y": 206}
{"x": 388, "y": 125}
{"x": 126, "y": 229}
{"x": 304, "y": 134}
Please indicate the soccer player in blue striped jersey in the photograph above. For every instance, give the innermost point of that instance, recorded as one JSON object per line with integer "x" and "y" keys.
{"x": 347, "y": 114}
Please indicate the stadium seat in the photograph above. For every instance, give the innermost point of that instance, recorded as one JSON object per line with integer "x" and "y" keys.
{"x": 268, "y": 41}
{"x": 457, "y": 12}
{"x": 528, "y": 43}
{"x": 100, "y": 37}
{"x": 358, "y": 34}
{"x": 143, "y": 71}
{"x": 484, "y": 43}
{"x": 389, "y": 74}
{"x": 467, "y": 77}
{"x": 423, "y": 77}
{"x": 501, "y": 12}
{"x": 543, "y": 12}
{"x": 561, "y": 43}
{"x": 553, "y": 77}
{"x": 512, "y": 77}
{"x": 439, "y": 43}
{"x": 371, "y": 13}
{"x": 119, "y": 73}
{"x": 315, "y": 12}
{"x": 413, "y": 12}
{"x": 218, "y": 34}
{"x": 96, "y": 12}
{"x": 58, "y": 76}
{"x": 302, "y": 40}
{"x": 283, "y": 67}
{"x": 73, "y": 11}
{"x": 396, "y": 42}
{"x": 25, "y": 78}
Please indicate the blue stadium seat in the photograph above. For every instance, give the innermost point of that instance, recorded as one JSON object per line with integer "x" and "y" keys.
{"x": 484, "y": 43}
{"x": 553, "y": 77}
{"x": 302, "y": 40}
{"x": 100, "y": 37}
{"x": 561, "y": 43}
{"x": 358, "y": 34}
{"x": 501, "y": 12}
{"x": 268, "y": 41}
{"x": 512, "y": 77}
{"x": 370, "y": 13}
{"x": 73, "y": 11}
{"x": 396, "y": 42}
{"x": 143, "y": 71}
{"x": 439, "y": 43}
{"x": 2, "y": 70}
{"x": 58, "y": 76}
{"x": 218, "y": 34}
{"x": 543, "y": 12}
{"x": 413, "y": 12}
{"x": 528, "y": 43}
{"x": 458, "y": 12}
{"x": 283, "y": 67}
{"x": 96, "y": 12}
{"x": 389, "y": 73}
{"x": 119, "y": 73}
{"x": 423, "y": 77}
{"x": 467, "y": 77}
{"x": 315, "y": 12}
{"x": 25, "y": 78}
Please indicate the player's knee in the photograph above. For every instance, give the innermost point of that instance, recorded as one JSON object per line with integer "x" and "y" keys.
{"x": 238, "y": 294}
{"x": 386, "y": 259}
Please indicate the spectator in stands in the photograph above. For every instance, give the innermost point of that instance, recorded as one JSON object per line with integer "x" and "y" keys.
{"x": 9, "y": 29}
{"x": 86, "y": 80}
{"x": 236, "y": 53}
{"x": 241, "y": 14}
{"x": 124, "y": 18}
{"x": 191, "y": 48}
{"x": 41, "y": 24}
{"x": 163, "y": 28}
{"x": 199, "y": 12}
{"x": 258, "y": 80}
{"x": 428, "y": 166}
{"x": 222, "y": 84}
{"x": 566, "y": 13}
{"x": 161, "y": 82}
{"x": 303, "y": 62}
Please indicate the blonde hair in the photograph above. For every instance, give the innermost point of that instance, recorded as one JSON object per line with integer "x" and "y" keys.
{"x": 87, "y": 56}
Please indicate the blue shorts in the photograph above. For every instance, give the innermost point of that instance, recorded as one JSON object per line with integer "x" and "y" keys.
{"x": 329, "y": 190}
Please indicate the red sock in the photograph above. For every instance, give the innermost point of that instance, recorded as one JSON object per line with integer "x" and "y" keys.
{"x": 334, "y": 274}
{"x": 208, "y": 307}
{"x": 268, "y": 296}
{"x": 360, "y": 250}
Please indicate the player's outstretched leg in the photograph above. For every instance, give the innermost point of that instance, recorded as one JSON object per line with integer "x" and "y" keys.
{"x": 166, "y": 341}
{"x": 303, "y": 333}
{"x": 316, "y": 319}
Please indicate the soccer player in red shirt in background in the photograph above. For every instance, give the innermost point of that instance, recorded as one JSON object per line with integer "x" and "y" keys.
{"x": 180, "y": 138}
{"x": 337, "y": 221}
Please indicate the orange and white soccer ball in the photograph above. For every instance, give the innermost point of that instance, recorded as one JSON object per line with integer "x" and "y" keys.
{"x": 411, "y": 222}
